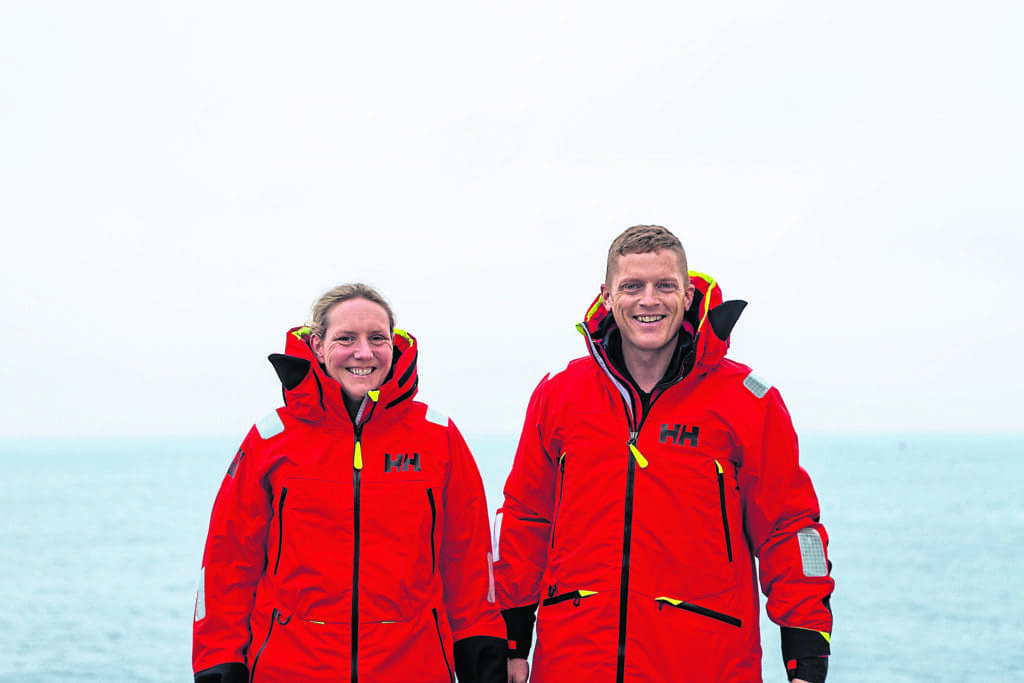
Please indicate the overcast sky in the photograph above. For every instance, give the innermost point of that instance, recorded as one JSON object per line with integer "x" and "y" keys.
{"x": 180, "y": 180}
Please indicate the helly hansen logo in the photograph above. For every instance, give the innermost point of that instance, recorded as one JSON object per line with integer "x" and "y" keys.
{"x": 679, "y": 435}
{"x": 402, "y": 462}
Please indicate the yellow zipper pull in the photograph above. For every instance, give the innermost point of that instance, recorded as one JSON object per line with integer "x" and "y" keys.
{"x": 358, "y": 460}
{"x": 640, "y": 459}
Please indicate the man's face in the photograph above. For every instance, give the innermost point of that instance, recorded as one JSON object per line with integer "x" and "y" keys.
{"x": 648, "y": 296}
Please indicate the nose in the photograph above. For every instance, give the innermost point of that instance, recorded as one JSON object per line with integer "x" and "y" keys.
{"x": 362, "y": 350}
{"x": 649, "y": 298}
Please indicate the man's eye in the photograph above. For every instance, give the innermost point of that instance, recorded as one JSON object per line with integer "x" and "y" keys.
{"x": 630, "y": 287}
{"x": 667, "y": 286}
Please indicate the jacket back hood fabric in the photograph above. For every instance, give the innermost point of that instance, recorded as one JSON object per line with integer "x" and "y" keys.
{"x": 635, "y": 523}
{"x": 343, "y": 548}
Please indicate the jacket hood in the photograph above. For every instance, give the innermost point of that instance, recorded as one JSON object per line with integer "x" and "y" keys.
{"x": 709, "y": 319}
{"x": 312, "y": 395}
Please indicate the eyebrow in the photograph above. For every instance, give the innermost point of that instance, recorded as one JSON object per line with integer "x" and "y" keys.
{"x": 382, "y": 330}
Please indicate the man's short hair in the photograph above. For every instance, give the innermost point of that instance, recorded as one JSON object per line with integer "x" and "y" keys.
{"x": 643, "y": 239}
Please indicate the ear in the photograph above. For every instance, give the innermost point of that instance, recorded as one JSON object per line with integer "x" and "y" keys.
{"x": 688, "y": 297}
{"x": 606, "y": 297}
{"x": 317, "y": 344}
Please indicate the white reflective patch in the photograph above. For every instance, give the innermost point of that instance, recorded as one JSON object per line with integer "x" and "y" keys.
{"x": 201, "y": 596}
{"x": 436, "y": 417}
{"x": 812, "y": 552}
{"x": 491, "y": 597}
{"x": 558, "y": 371}
{"x": 496, "y": 536}
{"x": 756, "y": 385}
{"x": 270, "y": 426}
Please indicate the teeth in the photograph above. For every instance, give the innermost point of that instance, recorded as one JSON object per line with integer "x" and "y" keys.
{"x": 362, "y": 372}
{"x": 649, "y": 318}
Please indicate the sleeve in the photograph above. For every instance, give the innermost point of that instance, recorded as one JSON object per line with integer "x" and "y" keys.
{"x": 233, "y": 562}
{"x": 466, "y": 571}
{"x": 522, "y": 526}
{"x": 782, "y": 520}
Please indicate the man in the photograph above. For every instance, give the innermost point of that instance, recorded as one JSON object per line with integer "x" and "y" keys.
{"x": 648, "y": 477}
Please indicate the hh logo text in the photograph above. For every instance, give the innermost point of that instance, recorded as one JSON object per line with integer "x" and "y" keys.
{"x": 402, "y": 462}
{"x": 679, "y": 435}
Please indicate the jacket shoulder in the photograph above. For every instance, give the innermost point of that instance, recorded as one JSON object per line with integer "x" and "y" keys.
{"x": 743, "y": 378}
{"x": 427, "y": 416}
{"x": 569, "y": 375}
{"x": 270, "y": 425}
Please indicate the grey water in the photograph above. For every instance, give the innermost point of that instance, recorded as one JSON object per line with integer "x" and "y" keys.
{"x": 101, "y": 542}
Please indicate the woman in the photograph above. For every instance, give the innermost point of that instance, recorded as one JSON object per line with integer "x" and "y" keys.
{"x": 349, "y": 539}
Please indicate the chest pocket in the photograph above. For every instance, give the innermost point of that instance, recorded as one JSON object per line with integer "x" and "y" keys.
{"x": 319, "y": 552}
{"x": 312, "y": 561}
{"x": 400, "y": 528}
{"x": 688, "y": 509}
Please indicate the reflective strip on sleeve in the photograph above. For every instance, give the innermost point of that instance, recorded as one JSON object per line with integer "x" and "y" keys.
{"x": 812, "y": 552}
{"x": 491, "y": 597}
{"x": 496, "y": 537}
{"x": 201, "y": 596}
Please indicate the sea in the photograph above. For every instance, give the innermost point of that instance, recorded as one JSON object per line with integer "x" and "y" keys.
{"x": 101, "y": 541}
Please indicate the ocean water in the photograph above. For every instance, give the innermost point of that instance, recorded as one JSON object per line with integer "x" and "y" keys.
{"x": 101, "y": 542}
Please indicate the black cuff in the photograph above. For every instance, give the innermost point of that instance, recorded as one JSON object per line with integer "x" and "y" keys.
{"x": 519, "y": 624}
{"x": 232, "y": 672}
{"x": 798, "y": 643}
{"x": 481, "y": 659}
{"x": 810, "y": 669}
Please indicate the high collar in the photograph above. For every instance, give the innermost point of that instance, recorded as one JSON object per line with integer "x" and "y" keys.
{"x": 709, "y": 320}
{"x": 312, "y": 395}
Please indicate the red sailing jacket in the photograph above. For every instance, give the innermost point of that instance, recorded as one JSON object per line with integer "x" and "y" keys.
{"x": 341, "y": 549}
{"x": 636, "y": 526}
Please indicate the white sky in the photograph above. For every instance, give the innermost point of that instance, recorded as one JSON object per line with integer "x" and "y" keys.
{"x": 180, "y": 180}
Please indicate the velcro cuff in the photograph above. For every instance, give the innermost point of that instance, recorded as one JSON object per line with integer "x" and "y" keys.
{"x": 519, "y": 625}
{"x": 810, "y": 669}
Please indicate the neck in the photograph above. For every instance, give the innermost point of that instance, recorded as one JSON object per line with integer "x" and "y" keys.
{"x": 647, "y": 367}
{"x": 352, "y": 405}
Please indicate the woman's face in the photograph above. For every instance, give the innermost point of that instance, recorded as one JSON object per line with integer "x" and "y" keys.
{"x": 356, "y": 348}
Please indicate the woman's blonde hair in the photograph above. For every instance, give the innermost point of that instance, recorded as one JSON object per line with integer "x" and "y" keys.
{"x": 342, "y": 293}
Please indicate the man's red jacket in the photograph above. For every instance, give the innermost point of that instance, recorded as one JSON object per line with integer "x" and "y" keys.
{"x": 635, "y": 523}
{"x": 344, "y": 549}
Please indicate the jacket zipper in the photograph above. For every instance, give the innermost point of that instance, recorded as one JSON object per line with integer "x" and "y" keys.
{"x": 725, "y": 512}
{"x": 558, "y": 505}
{"x": 444, "y": 650}
{"x": 627, "y": 536}
{"x": 697, "y": 609}
{"x": 280, "y": 526}
{"x": 433, "y": 527}
{"x": 273, "y": 620}
{"x": 635, "y": 458}
{"x": 357, "y": 468}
